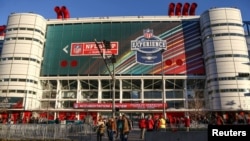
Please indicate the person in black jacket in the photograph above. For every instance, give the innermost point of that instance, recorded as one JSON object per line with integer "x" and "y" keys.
{"x": 57, "y": 121}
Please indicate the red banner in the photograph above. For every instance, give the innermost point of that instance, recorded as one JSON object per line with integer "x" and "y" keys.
{"x": 90, "y": 48}
{"x": 119, "y": 105}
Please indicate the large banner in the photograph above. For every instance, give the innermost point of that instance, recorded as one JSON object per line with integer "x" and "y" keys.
{"x": 120, "y": 105}
{"x": 11, "y": 102}
{"x": 90, "y": 48}
{"x": 140, "y": 48}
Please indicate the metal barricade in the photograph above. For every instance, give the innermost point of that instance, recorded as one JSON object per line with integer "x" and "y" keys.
{"x": 84, "y": 132}
{"x": 76, "y": 132}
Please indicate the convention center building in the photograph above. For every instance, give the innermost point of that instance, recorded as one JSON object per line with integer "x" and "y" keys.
{"x": 172, "y": 65}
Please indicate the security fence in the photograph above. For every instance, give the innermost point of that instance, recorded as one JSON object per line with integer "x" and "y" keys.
{"x": 46, "y": 132}
{"x": 63, "y": 132}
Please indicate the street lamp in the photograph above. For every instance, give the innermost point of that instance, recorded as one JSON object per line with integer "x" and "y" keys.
{"x": 107, "y": 45}
{"x": 113, "y": 61}
{"x": 88, "y": 117}
{"x": 163, "y": 86}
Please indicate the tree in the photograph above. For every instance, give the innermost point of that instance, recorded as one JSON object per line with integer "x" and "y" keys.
{"x": 196, "y": 104}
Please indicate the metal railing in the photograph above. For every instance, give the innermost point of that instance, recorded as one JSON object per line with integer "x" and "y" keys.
{"x": 46, "y": 132}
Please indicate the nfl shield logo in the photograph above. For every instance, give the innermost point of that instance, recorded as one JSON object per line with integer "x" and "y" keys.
{"x": 77, "y": 49}
{"x": 148, "y": 33}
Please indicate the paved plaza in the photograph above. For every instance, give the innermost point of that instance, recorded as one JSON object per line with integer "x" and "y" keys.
{"x": 133, "y": 136}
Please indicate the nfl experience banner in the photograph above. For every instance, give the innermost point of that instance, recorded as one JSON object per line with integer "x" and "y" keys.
{"x": 232, "y": 132}
{"x": 149, "y": 48}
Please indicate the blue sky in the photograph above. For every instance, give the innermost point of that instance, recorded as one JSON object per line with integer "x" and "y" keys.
{"x": 99, "y": 8}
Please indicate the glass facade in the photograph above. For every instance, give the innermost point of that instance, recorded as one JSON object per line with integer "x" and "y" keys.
{"x": 177, "y": 92}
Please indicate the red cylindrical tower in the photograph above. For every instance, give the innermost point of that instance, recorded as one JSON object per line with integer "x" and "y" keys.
{"x": 178, "y": 9}
{"x": 2, "y": 30}
{"x": 171, "y": 9}
{"x": 185, "y": 9}
{"x": 65, "y": 12}
{"x": 58, "y": 12}
{"x": 192, "y": 8}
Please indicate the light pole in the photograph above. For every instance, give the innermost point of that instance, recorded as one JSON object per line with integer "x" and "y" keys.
{"x": 88, "y": 117}
{"x": 163, "y": 86}
{"x": 113, "y": 61}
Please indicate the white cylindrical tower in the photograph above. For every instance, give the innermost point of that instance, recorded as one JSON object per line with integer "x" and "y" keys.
{"x": 226, "y": 59}
{"x": 21, "y": 58}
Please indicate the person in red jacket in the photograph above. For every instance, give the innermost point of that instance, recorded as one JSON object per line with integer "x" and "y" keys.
{"x": 142, "y": 126}
{"x": 150, "y": 123}
{"x": 219, "y": 119}
{"x": 187, "y": 123}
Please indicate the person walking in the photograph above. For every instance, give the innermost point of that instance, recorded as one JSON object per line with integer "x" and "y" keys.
{"x": 142, "y": 126}
{"x": 156, "y": 123}
{"x": 100, "y": 128}
{"x": 57, "y": 121}
{"x": 150, "y": 123}
{"x": 187, "y": 123}
{"x": 162, "y": 124}
{"x": 119, "y": 127}
{"x": 126, "y": 127}
{"x": 111, "y": 128}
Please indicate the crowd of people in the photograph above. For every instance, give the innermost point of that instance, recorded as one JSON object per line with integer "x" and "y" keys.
{"x": 150, "y": 123}
{"x": 119, "y": 127}
{"x": 115, "y": 127}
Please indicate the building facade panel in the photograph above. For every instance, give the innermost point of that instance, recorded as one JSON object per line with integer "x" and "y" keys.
{"x": 224, "y": 15}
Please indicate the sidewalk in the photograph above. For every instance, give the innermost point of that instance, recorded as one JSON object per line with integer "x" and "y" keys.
{"x": 134, "y": 135}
